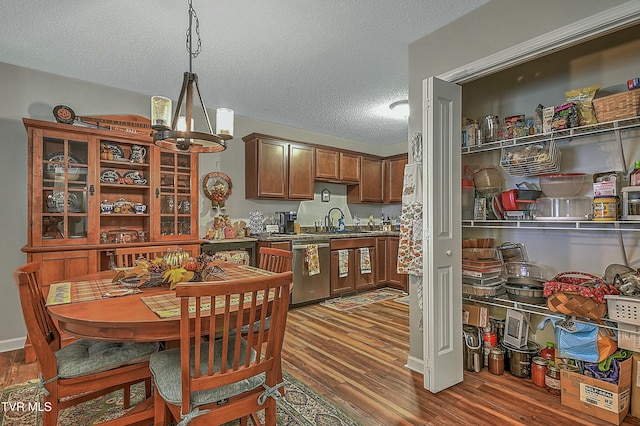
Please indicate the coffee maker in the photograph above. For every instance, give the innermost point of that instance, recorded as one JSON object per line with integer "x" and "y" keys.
{"x": 286, "y": 222}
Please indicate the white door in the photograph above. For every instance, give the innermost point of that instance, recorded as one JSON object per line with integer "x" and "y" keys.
{"x": 442, "y": 292}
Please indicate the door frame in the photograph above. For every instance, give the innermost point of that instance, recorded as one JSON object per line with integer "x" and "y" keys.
{"x": 595, "y": 26}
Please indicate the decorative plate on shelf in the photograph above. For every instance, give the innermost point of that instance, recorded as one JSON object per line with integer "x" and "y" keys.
{"x": 117, "y": 154}
{"x": 52, "y": 169}
{"x": 134, "y": 177}
{"x": 55, "y": 202}
{"x": 109, "y": 176}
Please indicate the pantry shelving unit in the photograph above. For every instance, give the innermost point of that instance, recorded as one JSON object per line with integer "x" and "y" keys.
{"x": 609, "y": 132}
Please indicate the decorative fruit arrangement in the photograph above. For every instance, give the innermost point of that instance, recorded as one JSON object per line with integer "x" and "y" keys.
{"x": 172, "y": 268}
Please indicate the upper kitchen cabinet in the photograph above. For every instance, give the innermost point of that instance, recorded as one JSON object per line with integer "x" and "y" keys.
{"x": 394, "y": 175}
{"x": 336, "y": 166}
{"x": 371, "y": 186}
{"x": 349, "y": 167}
{"x": 277, "y": 168}
{"x": 327, "y": 165}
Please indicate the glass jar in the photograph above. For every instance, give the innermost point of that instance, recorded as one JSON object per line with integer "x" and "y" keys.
{"x": 538, "y": 371}
{"x": 496, "y": 361}
{"x": 552, "y": 379}
{"x": 548, "y": 352}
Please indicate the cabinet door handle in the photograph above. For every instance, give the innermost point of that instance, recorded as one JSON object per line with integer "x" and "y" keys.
{"x": 91, "y": 189}
{"x": 448, "y": 252}
{"x": 157, "y": 193}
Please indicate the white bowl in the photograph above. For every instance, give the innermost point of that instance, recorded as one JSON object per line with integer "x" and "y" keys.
{"x": 561, "y": 184}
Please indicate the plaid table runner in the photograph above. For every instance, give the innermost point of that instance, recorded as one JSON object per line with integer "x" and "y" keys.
{"x": 80, "y": 291}
{"x": 167, "y": 305}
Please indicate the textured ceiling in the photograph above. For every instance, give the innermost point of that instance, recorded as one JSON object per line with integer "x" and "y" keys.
{"x": 319, "y": 65}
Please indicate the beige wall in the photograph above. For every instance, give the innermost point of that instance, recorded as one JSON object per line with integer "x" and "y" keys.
{"x": 29, "y": 93}
{"x": 489, "y": 29}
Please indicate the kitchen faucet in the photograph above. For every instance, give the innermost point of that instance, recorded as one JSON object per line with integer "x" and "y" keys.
{"x": 328, "y": 221}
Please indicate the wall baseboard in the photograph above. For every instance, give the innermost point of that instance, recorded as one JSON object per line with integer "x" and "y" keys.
{"x": 12, "y": 344}
{"x": 415, "y": 364}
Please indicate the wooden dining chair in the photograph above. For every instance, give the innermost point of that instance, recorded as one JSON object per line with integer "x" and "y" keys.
{"x": 273, "y": 260}
{"x": 214, "y": 381}
{"x": 83, "y": 369}
{"x": 126, "y": 257}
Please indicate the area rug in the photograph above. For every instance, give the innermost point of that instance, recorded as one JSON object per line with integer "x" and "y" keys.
{"x": 358, "y": 300}
{"x": 22, "y": 406}
{"x": 404, "y": 300}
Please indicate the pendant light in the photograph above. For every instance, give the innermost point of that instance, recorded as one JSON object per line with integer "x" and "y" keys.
{"x": 176, "y": 138}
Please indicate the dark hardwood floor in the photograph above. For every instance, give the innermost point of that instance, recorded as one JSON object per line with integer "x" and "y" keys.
{"x": 357, "y": 359}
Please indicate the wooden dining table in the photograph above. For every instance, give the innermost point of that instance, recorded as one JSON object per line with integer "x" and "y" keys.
{"x": 126, "y": 318}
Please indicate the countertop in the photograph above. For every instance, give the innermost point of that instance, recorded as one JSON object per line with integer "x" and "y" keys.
{"x": 327, "y": 235}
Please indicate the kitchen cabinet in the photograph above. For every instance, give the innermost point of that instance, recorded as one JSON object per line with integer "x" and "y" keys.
{"x": 371, "y": 186}
{"x": 346, "y": 284}
{"x": 394, "y": 177}
{"x": 336, "y": 166}
{"x": 300, "y": 172}
{"x": 387, "y": 263}
{"x": 349, "y": 167}
{"x": 83, "y": 190}
{"x": 282, "y": 245}
{"x": 381, "y": 260}
{"x": 278, "y": 169}
{"x": 355, "y": 278}
{"x": 327, "y": 165}
{"x": 394, "y": 279}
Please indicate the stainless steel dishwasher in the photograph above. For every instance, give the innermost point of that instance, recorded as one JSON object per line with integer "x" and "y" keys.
{"x": 309, "y": 288}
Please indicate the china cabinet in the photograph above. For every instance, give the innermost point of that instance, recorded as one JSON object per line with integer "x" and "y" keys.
{"x": 91, "y": 190}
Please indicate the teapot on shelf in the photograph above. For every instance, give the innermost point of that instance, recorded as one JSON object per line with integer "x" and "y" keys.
{"x": 138, "y": 154}
{"x": 106, "y": 206}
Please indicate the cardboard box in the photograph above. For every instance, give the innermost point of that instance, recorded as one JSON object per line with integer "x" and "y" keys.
{"x": 607, "y": 184}
{"x": 477, "y": 315}
{"x": 547, "y": 118}
{"x": 470, "y": 135}
{"x": 629, "y": 337}
{"x": 606, "y": 401}
{"x": 635, "y": 386}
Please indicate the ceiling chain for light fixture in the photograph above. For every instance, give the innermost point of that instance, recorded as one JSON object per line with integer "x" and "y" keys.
{"x": 187, "y": 140}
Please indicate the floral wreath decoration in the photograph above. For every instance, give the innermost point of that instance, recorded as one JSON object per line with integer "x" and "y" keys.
{"x": 219, "y": 191}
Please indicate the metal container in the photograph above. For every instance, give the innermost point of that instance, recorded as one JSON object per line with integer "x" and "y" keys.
{"x": 479, "y": 290}
{"x": 473, "y": 356}
{"x": 566, "y": 208}
{"x": 520, "y": 359}
{"x": 526, "y": 293}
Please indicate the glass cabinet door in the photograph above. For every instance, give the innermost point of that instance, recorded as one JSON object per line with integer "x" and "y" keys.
{"x": 176, "y": 196}
{"x": 64, "y": 186}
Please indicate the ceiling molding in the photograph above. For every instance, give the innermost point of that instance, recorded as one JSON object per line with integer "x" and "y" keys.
{"x": 594, "y": 26}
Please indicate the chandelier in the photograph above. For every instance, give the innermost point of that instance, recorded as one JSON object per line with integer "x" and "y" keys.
{"x": 180, "y": 136}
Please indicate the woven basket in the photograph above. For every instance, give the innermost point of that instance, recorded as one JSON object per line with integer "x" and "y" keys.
{"x": 578, "y": 294}
{"x": 618, "y": 106}
{"x": 573, "y": 304}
